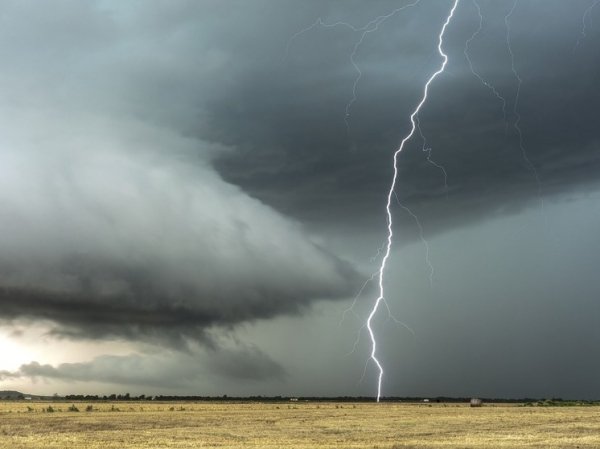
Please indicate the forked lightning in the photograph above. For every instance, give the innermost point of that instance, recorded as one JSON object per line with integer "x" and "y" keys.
{"x": 391, "y": 193}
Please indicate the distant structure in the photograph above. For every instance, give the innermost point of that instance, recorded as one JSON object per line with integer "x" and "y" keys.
{"x": 425, "y": 400}
{"x": 476, "y": 402}
{"x": 293, "y": 399}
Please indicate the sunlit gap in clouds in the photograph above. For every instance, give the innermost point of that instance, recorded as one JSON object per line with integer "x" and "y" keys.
{"x": 21, "y": 344}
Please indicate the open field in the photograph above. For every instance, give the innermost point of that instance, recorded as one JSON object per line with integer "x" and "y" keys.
{"x": 126, "y": 425}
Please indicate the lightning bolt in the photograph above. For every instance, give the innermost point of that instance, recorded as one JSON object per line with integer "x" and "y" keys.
{"x": 390, "y": 315}
{"x": 421, "y": 236}
{"x": 354, "y": 301}
{"x": 428, "y": 150}
{"x": 370, "y": 27}
{"x": 517, "y": 122}
{"x": 316, "y": 23}
{"x": 476, "y": 74}
{"x": 379, "y": 250}
{"x": 391, "y": 193}
{"x": 587, "y": 12}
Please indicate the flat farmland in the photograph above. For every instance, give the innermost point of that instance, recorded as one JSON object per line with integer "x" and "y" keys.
{"x": 125, "y": 425}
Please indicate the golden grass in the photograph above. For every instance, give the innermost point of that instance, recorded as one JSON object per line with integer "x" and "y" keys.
{"x": 295, "y": 425}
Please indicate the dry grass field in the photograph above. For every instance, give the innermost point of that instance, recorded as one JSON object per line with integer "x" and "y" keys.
{"x": 127, "y": 425}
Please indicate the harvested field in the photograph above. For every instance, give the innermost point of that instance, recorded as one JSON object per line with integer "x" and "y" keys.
{"x": 127, "y": 425}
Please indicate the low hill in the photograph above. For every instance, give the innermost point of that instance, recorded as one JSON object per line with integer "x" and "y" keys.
{"x": 10, "y": 394}
{"x": 15, "y": 395}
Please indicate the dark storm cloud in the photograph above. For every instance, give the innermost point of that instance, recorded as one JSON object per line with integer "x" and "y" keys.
{"x": 285, "y": 118}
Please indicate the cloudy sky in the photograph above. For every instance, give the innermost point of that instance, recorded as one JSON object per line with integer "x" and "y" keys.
{"x": 192, "y": 194}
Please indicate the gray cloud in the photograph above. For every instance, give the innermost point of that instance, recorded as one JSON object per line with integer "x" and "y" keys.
{"x": 293, "y": 150}
{"x": 116, "y": 223}
{"x": 114, "y": 240}
{"x": 172, "y": 370}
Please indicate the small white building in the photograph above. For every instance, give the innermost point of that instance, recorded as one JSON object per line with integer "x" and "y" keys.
{"x": 476, "y": 402}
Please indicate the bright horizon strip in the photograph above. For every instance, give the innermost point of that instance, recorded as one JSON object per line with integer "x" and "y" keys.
{"x": 391, "y": 193}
